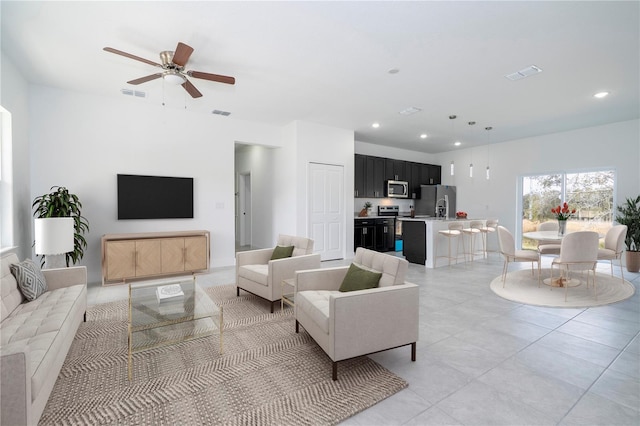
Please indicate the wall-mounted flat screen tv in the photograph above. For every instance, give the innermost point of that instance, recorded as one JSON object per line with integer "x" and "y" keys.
{"x": 154, "y": 197}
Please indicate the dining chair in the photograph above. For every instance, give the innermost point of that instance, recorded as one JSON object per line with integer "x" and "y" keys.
{"x": 489, "y": 227}
{"x": 614, "y": 246}
{"x": 578, "y": 252}
{"x": 548, "y": 246}
{"x": 511, "y": 254}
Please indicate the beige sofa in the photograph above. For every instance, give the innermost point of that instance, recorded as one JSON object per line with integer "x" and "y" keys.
{"x": 354, "y": 323}
{"x": 35, "y": 338}
{"x": 256, "y": 273}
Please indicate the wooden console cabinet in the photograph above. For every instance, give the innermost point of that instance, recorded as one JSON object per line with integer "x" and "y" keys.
{"x": 154, "y": 254}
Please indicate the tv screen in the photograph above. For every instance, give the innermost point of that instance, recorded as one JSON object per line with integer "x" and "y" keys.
{"x": 154, "y": 197}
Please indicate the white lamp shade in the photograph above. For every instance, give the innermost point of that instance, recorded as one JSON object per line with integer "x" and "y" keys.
{"x": 54, "y": 235}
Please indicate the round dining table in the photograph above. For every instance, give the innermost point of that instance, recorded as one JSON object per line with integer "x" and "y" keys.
{"x": 553, "y": 236}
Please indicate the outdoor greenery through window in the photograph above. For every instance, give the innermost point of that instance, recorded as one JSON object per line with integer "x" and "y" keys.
{"x": 590, "y": 193}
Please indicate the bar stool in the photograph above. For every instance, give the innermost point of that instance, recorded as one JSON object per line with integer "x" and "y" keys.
{"x": 454, "y": 231}
{"x": 490, "y": 227}
{"x": 472, "y": 231}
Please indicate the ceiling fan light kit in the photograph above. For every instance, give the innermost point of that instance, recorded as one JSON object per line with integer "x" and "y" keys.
{"x": 173, "y": 72}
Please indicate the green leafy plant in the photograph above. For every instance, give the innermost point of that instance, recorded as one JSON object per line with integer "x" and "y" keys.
{"x": 367, "y": 205}
{"x": 629, "y": 214}
{"x": 61, "y": 203}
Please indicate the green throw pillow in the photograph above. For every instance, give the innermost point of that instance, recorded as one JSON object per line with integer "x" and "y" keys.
{"x": 281, "y": 252}
{"x": 359, "y": 279}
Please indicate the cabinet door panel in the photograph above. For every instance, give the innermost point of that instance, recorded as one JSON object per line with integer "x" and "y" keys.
{"x": 360, "y": 176}
{"x": 120, "y": 259}
{"x": 148, "y": 258}
{"x": 195, "y": 249}
{"x": 172, "y": 255}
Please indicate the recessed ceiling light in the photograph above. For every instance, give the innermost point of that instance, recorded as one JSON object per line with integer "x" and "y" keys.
{"x": 394, "y": 71}
{"x": 600, "y": 95}
{"x": 457, "y": 143}
{"x": 423, "y": 136}
{"x": 375, "y": 125}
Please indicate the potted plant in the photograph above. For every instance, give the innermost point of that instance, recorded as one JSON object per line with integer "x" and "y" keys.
{"x": 365, "y": 211}
{"x": 629, "y": 214}
{"x": 61, "y": 203}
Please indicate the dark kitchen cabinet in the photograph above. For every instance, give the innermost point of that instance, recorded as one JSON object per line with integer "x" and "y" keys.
{"x": 385, "y": 234}
{"x": 396, "y": 169}
{"x": 371, "y": 174}
{"x": 364, "y": 234}
{"x": 414, "y": 237}
{"x": 361, "y": 176}
{"x": 374, "y": 182}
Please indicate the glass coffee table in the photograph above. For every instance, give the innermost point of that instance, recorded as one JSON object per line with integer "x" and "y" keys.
{"x": 170, "y": 311}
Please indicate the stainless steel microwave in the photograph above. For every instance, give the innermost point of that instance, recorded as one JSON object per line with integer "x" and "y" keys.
{"x": 396, "y": 189}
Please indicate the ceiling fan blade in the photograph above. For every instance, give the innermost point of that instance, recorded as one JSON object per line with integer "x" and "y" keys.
{"x": 145, "y": 79}
{"x": 182, "y": 54}
{"x": 191, "y": 89}
{"x": 129, "y": 55}
{"x": 212, "y": 77}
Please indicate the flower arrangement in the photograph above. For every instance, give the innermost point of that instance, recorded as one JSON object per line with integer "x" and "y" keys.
{"x": 563, "y": 212}
{"x": 461, "y": 215}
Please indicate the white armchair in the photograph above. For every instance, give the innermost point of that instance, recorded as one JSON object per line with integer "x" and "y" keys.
{"x": 256, "y": 273}
{"x": 354, "y": 323}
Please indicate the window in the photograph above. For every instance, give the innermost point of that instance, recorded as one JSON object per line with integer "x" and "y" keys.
{"x": 6, "y": 181}
{"x": 590, "y": 193}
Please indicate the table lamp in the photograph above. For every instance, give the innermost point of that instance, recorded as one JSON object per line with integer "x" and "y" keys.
{"x": 54, "y": 238}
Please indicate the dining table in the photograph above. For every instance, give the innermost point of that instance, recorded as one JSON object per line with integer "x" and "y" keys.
{"x": 555, "y": 237}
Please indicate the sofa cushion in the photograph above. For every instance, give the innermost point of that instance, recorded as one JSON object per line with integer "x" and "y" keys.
{"x": 359, "y": 279}
{"x": 393, "y": 268}
{"x": 281, "y": 252}
{"x": 301, "y": 245}
{"x": 255, "y": 273}
{"x": 30, "y": 279}
{"x": 315, "y": 303}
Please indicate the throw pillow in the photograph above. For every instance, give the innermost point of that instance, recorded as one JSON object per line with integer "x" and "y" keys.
{"x": 30, "y": 279}
{"x": 281, "y": 252}
{"x": 359, "y": 279}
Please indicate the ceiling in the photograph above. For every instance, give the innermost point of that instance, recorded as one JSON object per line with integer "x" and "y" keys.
{"x": 329, "y": 62}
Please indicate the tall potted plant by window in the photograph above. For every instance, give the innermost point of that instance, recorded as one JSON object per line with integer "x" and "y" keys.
{"x": 61, "y": 203}
{"x": 629, "y": 214}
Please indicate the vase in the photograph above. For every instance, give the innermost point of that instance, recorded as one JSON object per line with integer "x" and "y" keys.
{"x": 562, "y": 227}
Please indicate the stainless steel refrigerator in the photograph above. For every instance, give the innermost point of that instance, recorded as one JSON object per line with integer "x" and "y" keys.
{"x": 434, "y": 199}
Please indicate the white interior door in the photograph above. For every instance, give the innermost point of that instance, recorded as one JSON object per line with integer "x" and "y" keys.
{"x": 326, "y": 210}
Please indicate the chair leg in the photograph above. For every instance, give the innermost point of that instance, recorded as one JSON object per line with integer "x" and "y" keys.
{"x": 237, "y": 291}
{"x": 273, "y": 303}
{"x": 334, "y": 372}
{"x": 297, "y": 326}
{"x": 413, "y": 351}
{"x": 85, "y": 316}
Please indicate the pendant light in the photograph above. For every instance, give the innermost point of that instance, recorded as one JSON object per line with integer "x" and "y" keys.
{"x": 488, "y": 173}
{"x": 471, "y": 123}
{"x": 452, "y": 167}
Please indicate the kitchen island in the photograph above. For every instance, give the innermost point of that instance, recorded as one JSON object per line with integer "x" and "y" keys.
{"x": 421, "y": 240}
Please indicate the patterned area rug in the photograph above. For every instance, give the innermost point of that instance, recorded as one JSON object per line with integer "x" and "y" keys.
{"x": 521, "y": 287}
{"x": 267, "y": 375}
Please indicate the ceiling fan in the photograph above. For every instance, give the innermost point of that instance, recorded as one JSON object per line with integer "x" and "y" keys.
{"x": 173, "y": 71}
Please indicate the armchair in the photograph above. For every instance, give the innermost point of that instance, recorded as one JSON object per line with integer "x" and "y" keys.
{"x": 256, "y": 273}
{"x": 354, "y": 323}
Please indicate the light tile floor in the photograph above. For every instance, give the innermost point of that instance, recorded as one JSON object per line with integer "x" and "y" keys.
{"x": 483, "y": 360}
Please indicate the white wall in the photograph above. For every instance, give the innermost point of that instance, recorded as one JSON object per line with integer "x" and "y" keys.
{"x": 82, "y": 142}
{"x": 614, "y": 146}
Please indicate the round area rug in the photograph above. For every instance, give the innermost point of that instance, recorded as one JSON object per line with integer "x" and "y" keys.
{"x": 521, "y": 287}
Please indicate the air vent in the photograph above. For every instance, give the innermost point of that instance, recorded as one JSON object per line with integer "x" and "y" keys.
{"x": 137, "y": 94}
{"x": 218, "y": 112}
{"x": 525, "y": 72}
{"x": 409, "y": 111}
